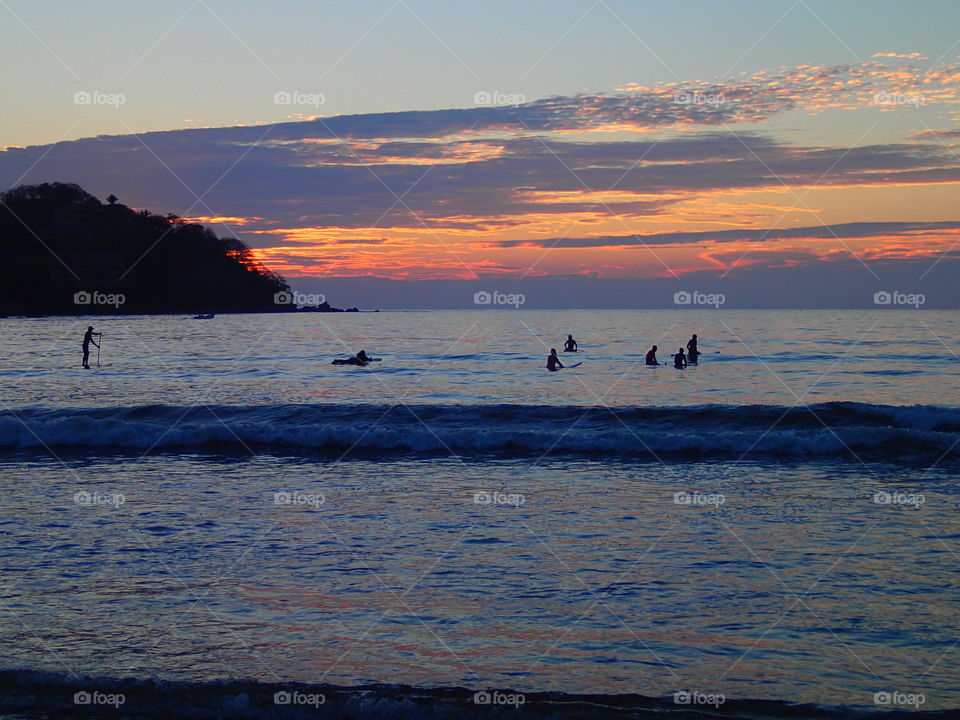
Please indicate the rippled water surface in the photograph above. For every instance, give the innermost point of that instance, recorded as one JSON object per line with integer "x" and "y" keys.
{"x": 656, "y": 548}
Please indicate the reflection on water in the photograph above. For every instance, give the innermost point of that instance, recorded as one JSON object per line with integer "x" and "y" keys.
{"x": 795, "y": 586}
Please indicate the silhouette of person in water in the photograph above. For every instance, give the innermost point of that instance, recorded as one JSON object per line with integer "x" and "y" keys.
{"x": 570, "y": 345}
{"x": 87, "y": 339}
{"x": 680, "y": 360}
{"x": 360, "y": 359}
{"x": 692, "y": 350}
{"x": 652, "y": 356}
{"x": 553, "y": 362}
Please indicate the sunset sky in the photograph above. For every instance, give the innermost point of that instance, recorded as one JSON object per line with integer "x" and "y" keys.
{"x": 452, "y": 141}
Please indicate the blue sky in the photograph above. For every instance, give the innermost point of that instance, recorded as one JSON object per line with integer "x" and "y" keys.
{"x": 218, "y": 63}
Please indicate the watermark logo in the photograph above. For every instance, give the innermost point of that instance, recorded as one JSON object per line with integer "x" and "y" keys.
{"x": 699, "y": 499}
{"x": 88, "y": 499}
{"x": 485, "y": 497}
{"x": 694, "y": 697}
{"x": 487, "y": 97}
{"x": 290, "y": 297}
{"x": 892, "y": 697}
{"x": 685, "y": 297}
{"x": 283, "y": 697}
{"x": 95, "y": 97}
{"x": 895, "y": 297}
{"x": 295, "y": 497}
{"x": 696, "y": 97}
{"x": 295, "y": 97}
{"x": 495, "y": 297}
{"x": 914, "y": 500}
{"x": 98, "y": 298}
{"x": 894, "y": 98}
{"x": 83, "y": 697}
{"x": 494, "y": 697}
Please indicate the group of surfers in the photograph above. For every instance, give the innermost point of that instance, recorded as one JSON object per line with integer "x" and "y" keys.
{"x": 680, "y": 360}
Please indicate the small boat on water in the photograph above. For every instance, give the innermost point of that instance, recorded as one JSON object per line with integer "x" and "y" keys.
{"x": 206, "y": 316}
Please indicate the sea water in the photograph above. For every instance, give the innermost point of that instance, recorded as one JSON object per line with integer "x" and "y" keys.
{"x": 217, "y": 501}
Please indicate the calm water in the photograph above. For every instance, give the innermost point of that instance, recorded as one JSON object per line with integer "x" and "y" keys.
{"x": 766, "y": 357}
{"x": 304, "y": 542}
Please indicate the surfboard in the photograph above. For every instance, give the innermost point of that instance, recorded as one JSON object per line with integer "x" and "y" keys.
{"x": 575, "y": 365}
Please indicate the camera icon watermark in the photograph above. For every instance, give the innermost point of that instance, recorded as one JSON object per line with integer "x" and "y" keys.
{"x": 914, "y": 500}
{"x": 495, "y": 697}
{"x": 295, "y": 97}
{"x": 84, "y": 697}
{"x": 699, "y": 499}
{"x": 299, "y": 299}
{"x": 893, "y": 697}
{"x": 695, "y": 297}
{"x": 495, "y": 297}
{"x": 683, "y": 97}
{"x": 295, "y": 497}
{"x": 95, "y": 97}
{"x": 86, "y": 498}
{"x": 83, "y": 297}
{"x": 695, "y": 697}
{"x": 895, "y": 297}
{"x": 285, "y": 697}
{"x": 899, "y": 98}
{"x": 486, "y": 497}
{"x": 494, "y": 97}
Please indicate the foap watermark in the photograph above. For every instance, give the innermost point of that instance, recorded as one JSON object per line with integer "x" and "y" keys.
{"x": 893, "y": 697}
{"x": 495, "y": 297}
{"x": 698, "y": 498}
{"x": 899, "y": 98}
{"x": 695, "y": 297}
{"x": 914, "y": 500}
{"x": 695, "y": 697}
{"x": 486, "y": 497}
{"x": 495, "y": 97}
{"x": 895, "y": 297}
{"x": 291, "y": 297}
{"x": 95, "y": 97}
{"x": 295, "y": 97}
{"x": 285, "y": 697}
{"x": 683, "y": 97}
{"x": 85, "y": 697}
{"x": 88, "y": 499}
{"x": 495, "y": 697}
{"x": 295, "y": 497}
{"x": 94, "y": 297}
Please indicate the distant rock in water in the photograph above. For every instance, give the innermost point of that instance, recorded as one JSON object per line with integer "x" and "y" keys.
{"x": 65, "y": 252}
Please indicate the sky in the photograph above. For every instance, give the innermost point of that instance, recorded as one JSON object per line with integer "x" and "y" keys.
{"x": 374, "y": 147}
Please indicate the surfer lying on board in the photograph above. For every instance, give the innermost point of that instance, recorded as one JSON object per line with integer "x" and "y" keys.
{"x": 652, "y": 356}
{"x": 692, "y": 350}
{"x": 360, "y": 359}
{"x": 553, "y": 362}
{"x": 570, "y": 345}
{"x": 680, "y": 360}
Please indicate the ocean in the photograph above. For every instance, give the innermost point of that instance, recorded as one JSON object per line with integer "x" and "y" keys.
{"x": 217, "y": 522}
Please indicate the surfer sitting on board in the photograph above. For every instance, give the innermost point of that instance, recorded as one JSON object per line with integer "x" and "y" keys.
{"x": 87, "y": 339}
{"x": 652, "y": 356}
{"x": 692, "y": 350}
{"x": 680, "y": 360}
{"x": 570, "y": 345}
{"x": 553, "y": 362}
